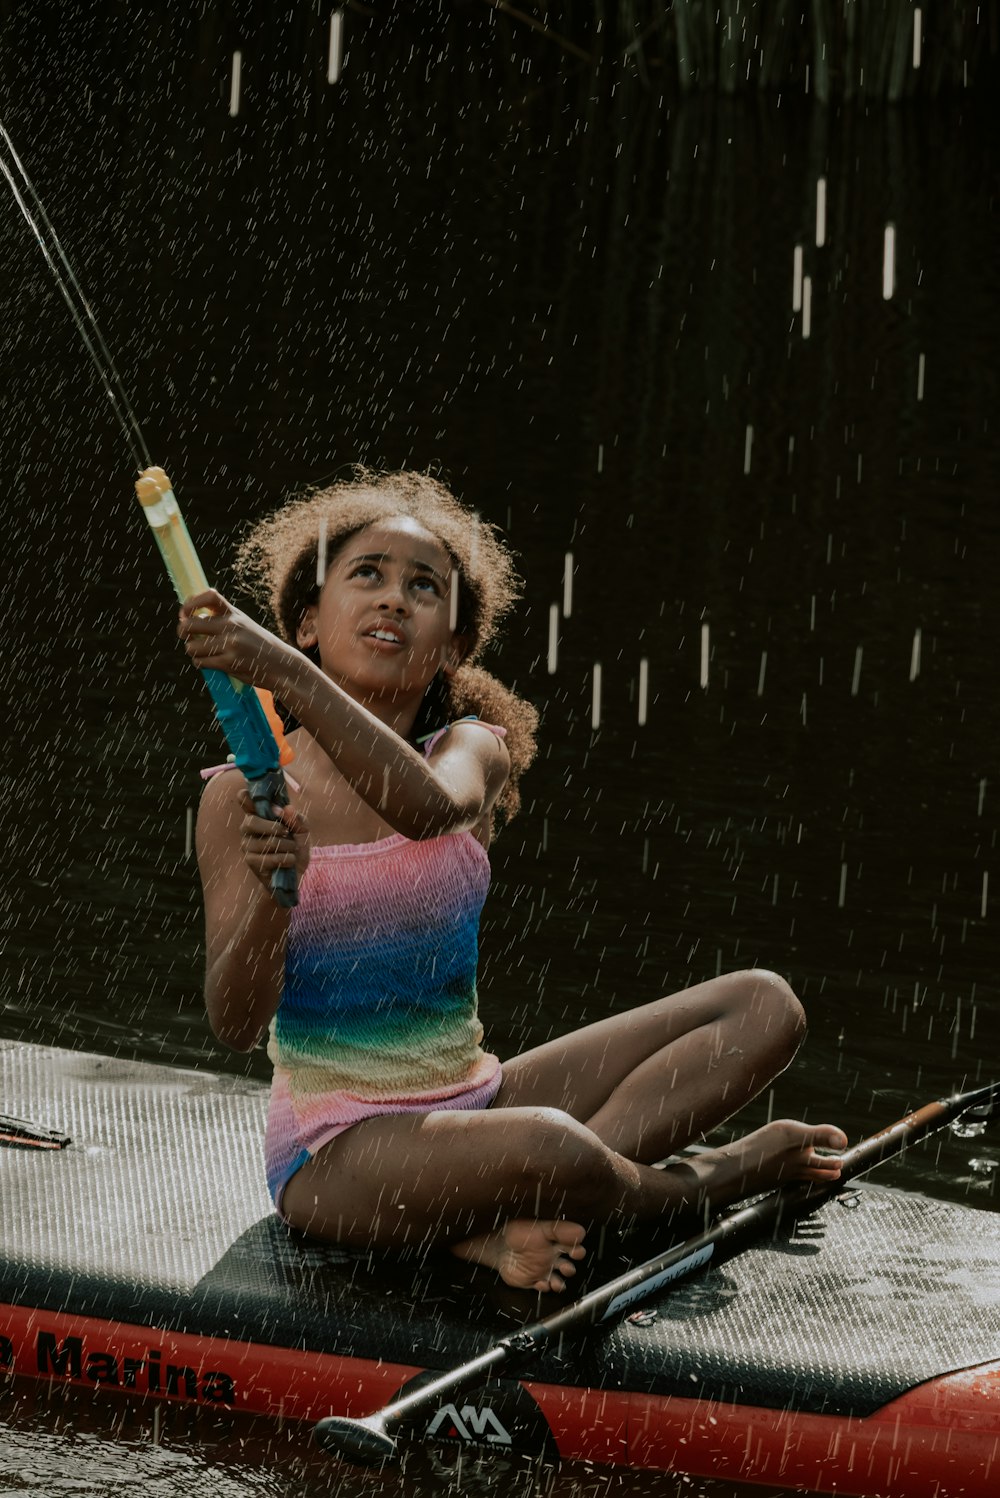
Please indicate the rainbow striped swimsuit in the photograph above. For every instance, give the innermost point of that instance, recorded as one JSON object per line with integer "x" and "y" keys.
{"x": 378, "y": 1014}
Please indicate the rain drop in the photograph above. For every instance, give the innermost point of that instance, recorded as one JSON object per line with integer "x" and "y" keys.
{"x": 889, "y": 262}
{"x": 915, "y": 656}
{"x": 235, "y": 84}
{"x": 336, "y": 56}
{"x": 553, "y": 639}
{"x": 567, "y": 605}
{"x": 797, "y": 279}
{"x": 643, "y": 689}
{"x": 321, "y": 555}
{"x": 821, "y": 212}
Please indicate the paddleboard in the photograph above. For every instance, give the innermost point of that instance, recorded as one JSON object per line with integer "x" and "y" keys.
{"x": 858, "y": 1352}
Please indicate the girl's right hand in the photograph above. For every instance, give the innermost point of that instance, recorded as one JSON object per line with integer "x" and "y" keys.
{"x": 219, "y": 637}
{"x": 266, "y": 845}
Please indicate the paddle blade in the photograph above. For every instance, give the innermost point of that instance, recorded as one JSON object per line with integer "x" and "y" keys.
{"x": 364, "y": 1442}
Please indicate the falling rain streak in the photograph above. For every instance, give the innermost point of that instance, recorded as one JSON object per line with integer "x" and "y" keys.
{"x": 917, "y": 29}
{"x": 336, "y": 55}
{"x": 595, "y": 701}
{"x": 567, "y": 603}
{"x": 807, "y": 287}
{"x": 235, "y": 84}
{"x": 747, "y": 448}
{"x": 643, "y": 690}
{"x": 553, "y": 658}
{"x": 915, "y": 656}
{"x": 821, "y": 212}
{"x": 703, "y": 673}
{"x": 797, "y": 279}
{"x": 321, "y": 553}
{"x": 856, "y": 678}
{"x": 889, "y": 262}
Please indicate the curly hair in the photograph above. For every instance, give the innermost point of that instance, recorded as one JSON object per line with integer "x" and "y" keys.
{"x": 277, "y": 563}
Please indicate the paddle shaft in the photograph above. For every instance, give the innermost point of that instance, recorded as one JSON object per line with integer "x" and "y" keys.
{"x": 370, "y": 1438}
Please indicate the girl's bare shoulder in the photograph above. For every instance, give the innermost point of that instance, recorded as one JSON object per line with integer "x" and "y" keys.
{"x": 220, "y": 812}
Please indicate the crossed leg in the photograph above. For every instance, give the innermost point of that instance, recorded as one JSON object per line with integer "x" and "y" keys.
{"x": 572, "y": 1137}
{"x": 651, "y": 1080}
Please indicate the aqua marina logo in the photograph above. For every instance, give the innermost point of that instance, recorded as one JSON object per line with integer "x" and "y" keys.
{"x": 469, "y": 1424}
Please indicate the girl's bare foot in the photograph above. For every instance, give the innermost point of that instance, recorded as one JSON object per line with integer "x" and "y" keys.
{"x": 528, "y": 1253}
{"x": 779, "y": 1152}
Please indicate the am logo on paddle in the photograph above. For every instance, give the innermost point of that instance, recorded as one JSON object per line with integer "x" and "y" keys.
{"x": 471, "y": 1424}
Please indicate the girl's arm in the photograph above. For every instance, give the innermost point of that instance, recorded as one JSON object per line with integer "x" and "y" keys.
{"x": 245, "y": 931}
{"x": 417, "y": 797}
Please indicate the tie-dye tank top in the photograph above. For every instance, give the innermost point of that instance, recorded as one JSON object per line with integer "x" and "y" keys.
{"x": 379, "y": 1010}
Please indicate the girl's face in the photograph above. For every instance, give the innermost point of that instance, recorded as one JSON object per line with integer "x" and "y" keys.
{"x": 383, "y": 619}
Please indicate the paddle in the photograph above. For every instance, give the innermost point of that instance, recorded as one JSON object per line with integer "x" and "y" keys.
{"x": 370, "y": 1439}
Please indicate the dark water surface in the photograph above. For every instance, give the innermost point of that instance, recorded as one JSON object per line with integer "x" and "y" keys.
{"x": 575, "y": 297}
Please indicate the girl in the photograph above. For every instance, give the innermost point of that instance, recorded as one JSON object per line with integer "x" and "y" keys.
{"x": 388, "y": 1123}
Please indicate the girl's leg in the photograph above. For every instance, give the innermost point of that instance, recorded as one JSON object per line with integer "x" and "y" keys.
{"x": 649, "y": 1081}
{"x": 414, "y": 1181}
{"x": 511, "y": 1188}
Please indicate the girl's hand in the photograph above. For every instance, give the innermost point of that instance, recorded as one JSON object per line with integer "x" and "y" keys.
{"x": 267, "y": 845}
{"x": 224, "y": 639}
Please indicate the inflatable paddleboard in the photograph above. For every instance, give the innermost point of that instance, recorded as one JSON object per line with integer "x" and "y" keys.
{"x": 859, "y": 1352}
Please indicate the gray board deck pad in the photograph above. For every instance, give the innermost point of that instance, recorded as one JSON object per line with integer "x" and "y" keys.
{"x": 157, "y": 1215}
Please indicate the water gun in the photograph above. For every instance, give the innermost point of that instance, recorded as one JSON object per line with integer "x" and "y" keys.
{"x": 248, "y": 717}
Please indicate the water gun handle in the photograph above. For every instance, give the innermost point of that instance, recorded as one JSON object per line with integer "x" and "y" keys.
{"x": 248, "y": 718}
{"x": 267, "y": 791}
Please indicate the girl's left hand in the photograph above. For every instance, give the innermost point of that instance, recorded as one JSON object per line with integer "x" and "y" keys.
{"x": 231, "y": 641}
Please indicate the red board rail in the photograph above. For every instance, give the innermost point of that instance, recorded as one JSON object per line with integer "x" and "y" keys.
{"x": 940, "y": 1440}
